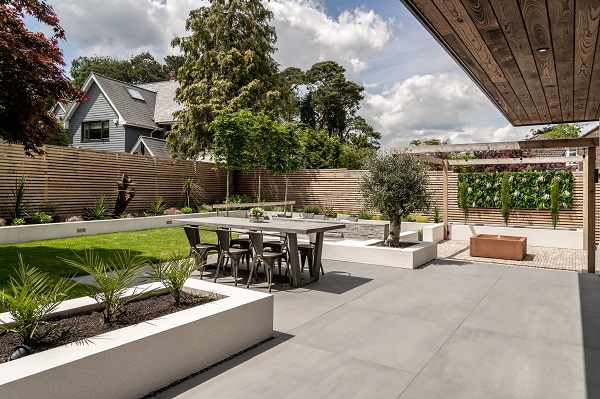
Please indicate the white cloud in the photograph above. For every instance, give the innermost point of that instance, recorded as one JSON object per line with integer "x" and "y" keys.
{"x": 443, "y": 105}
{"x": 306, "y": 35}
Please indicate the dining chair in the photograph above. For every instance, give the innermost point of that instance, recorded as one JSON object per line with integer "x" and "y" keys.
{"x": 227, "y": 251}
{"x": 267, "y": 258}
{"x": 307, "y": 250}
{"x": 277, "y": 245}
{"x": 199, "y": 249}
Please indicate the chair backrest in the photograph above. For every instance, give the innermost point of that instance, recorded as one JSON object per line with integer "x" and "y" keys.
{"x": 257, "y": 241}
{"x": 193, "y": 235}
{"x": 223, "y": 236}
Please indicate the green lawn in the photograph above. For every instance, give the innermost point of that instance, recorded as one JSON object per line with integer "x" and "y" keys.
{"x": 154, "y": 245}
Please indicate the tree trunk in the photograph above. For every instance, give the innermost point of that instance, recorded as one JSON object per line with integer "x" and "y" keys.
{"x": 287, "y": 179}
{"x": 395, "y": 221}
{"x": 227, "y": 194}
{"x": 259, "y": 193}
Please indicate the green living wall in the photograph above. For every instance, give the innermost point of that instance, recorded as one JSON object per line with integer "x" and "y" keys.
{"x": 528, "y": 190}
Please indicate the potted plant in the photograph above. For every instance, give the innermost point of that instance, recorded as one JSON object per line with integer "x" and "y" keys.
{"x": 256, "y": 213}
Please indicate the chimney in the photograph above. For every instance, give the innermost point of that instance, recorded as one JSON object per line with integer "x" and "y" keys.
{"x": 172, "y": 75}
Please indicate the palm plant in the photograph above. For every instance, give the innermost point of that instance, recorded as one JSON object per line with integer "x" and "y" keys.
{"x": 31, "y": 296}
{"x": 173, "y": 274}
{"x": 157, "y": 207}
{"x": 111, "y": 279}
{"x": 17, "y": 198}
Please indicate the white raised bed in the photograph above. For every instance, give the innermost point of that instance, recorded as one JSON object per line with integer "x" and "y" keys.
{"x": 16, "y": 234}
{"x": 136, "y": 360}
{"x": 536, "y": 236}
{"x": 361, "y": 252}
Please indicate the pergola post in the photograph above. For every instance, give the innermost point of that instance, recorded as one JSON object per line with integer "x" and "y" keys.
{"x": 445, "y": 198}
{"x": 589, "y": 208}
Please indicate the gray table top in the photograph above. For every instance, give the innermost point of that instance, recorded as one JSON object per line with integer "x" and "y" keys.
{"x": 279, "y": 225}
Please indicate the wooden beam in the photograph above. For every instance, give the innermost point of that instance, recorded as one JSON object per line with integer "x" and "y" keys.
{"x": 445, "y": 198}
{"x": 512, "y": 161}
{"x": 589, "y": 208}
{"x": 500, "y": 146}
{"x": 429, "y": 158}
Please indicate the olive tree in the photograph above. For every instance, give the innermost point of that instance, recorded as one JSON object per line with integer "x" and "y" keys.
{"x": 396, "y": 186}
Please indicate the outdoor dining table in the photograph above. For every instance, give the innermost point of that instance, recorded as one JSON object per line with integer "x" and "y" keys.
{"x": 291, "y": 227}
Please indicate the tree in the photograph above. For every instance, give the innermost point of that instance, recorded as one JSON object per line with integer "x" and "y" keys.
{"x": 61, "y": 139}
{"x": 559, "y": 131}
{"x": 319, "y": 150}
{"x": 396, "y": 186}
{"x": 290, "y": 82}
{"x": 231, "y": 134}
{"x": 31, "y": 77}
{"x": 285, "y": 156}
{"x": 261, "y": 141}
{"x": 354, "y": 157}
{"x": 228, "y": 63}
{"x": 332, "y": 101}
{"x": 173, "y": 63}
{"x": 144, "y": 68}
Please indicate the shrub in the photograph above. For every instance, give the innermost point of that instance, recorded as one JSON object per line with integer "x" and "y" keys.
{"x": 364, "y": 214}
{"x": 186, "y": 210}
{"x": 157, "y": 207}
{"x": 205, "y": 208}
{"x": 98, "y": 211}
{"x": 30, "y": 297}
{"x": 505, "y": 198}
{"x": 41, "y": 218}
{"x": 421, "y": 218}
{"x": 173, "y": 274}
{"x": 554, "y": 201}
{"x": 329, "y": 211}
{"x": 437, "y": 218}
{"x": 17, "y": 222}
{"x": 312, "y": 209}
{"x": 111, "y": 279}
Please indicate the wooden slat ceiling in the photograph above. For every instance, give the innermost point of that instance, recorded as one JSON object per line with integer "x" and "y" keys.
{"x": 537, "y": 60}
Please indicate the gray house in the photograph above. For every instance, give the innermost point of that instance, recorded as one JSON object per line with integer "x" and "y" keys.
{"x": 116, "y": 114}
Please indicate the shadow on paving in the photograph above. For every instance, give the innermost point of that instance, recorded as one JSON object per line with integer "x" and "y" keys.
{"x": 589, "y": 300}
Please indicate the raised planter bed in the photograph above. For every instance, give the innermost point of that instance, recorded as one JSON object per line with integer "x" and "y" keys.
{"x": 136, "y": 360}
{"x": 536, "y": 236}
{"x": 17, "y": 234}
{"x": 498, "y": 247}
{"x": 363, "y": 252}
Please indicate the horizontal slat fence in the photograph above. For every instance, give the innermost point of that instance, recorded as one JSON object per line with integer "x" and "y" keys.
{"x": 72, "y": 178}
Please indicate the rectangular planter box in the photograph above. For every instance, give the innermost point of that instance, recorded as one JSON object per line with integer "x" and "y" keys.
{"x": 361, "y": 252}
{"x": 498, "y": 247}
{"x": 136, "y": 360}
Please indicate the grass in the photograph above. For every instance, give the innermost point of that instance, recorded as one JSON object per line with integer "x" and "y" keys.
{"x": 153, "y": 245}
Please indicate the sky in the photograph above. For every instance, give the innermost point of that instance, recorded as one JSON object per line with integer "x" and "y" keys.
{"x": 413, "y": 89}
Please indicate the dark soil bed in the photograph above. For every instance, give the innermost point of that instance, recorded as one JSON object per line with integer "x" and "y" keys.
{"x": 401, "y": 244}
{"x": 87, "y": 325}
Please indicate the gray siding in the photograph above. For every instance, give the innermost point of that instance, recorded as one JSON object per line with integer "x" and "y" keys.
{"x": 97, "y": 108}
{"x": 132, "y": 134}
{"x": 58, "y": 112}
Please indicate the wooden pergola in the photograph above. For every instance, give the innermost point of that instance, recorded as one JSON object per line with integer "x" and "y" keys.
{"x": 424, "y": 152}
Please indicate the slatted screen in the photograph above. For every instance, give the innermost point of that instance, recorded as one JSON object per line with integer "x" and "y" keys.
{"x": 72, "y": 178}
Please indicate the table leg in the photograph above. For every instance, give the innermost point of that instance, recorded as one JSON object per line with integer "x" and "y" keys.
{"x": 294, "y": 259}
{"x": 316, "y": 263}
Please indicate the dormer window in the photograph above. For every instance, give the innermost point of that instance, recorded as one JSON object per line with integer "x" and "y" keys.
{"x": 135, "y": 94}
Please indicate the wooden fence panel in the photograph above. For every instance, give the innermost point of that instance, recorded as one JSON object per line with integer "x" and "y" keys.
{"x": 72, "y": 178}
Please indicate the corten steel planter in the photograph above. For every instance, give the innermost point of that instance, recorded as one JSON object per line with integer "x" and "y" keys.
{"x": 498, "y": 247}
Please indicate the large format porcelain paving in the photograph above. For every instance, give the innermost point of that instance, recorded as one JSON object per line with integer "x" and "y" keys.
{"x": 452, "y": 330}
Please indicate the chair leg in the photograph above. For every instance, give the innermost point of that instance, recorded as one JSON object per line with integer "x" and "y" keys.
{"x": 218, "y": 267}
{"x": 303, "y": 260}
{"x": 252, "y": 269}
{"x": 235, "y": 263}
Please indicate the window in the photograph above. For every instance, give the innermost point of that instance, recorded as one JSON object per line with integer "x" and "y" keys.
{"x": 571, "y": 152}
{"x": 135, "y": 94}
{"x": 97, "y": 130}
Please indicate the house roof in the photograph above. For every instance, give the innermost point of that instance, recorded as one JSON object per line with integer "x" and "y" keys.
{"x": 165, "y": 100}
{"x": 537, "y": 61}
{"x": 131, "y": 111}
{"x": 156, "y": 147}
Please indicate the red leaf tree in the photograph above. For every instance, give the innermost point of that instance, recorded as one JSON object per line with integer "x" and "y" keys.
{"x": 32, "y": 80}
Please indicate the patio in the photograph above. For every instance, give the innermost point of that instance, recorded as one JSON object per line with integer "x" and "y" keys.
{"x": 451, "y": 329}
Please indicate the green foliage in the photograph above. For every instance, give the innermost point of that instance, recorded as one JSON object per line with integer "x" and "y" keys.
{"x": 555, "y": 200}
{"x": 228, "y": 63}
{"x": 328, "y": 211}
{"x": 420, "y": 218}
{"x": 98, "y": 211}
{"x": 157, "y": 207}
{"x": 365, "y": 214}
{"x": 205, "y": 208}
{"x": 240, "y": 199}
{"x": 463, "y": 200}
{"x": 318, "y": 150}
{"x": 560, "y": 131}
{"x": 505, "y": 197}
{"x": 17, "y": 198}
{"x": 528, "y": 190}
{"x": 17, "y": 222}
{"x": 173, "y": 274}
{"x": 111, "y": 279}
{"x": 353, "y": 157}
{"x": 187, "y": 210}
{"x": 41, "y": 218}
{"x": 29, "y": 298}
{"x": 61, "y": 138}
{"x": 256, "y": 212}
{"x": 437, "y": 218}
{"x": 191, "y": 192}
{"x": 311, "y": 209}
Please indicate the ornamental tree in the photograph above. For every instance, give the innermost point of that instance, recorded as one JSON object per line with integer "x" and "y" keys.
{"x": 396, "y": 186}
{"x": 32, "y": 80}
{"x": 285, "y": 156}
{"x": 228, "y": 63}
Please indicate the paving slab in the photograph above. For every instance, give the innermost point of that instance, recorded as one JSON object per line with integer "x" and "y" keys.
{"x": 433, "y": 388}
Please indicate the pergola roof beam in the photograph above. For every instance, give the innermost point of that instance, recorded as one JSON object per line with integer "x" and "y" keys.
{"x": 513, "y": 161}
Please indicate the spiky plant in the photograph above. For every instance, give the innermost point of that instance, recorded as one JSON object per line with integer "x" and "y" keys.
{"x": 30, "y": 297}
{"x": 111, "y": 279}
{"x": 157, "y": 207}
{"x": 174, "y": 273}
{"x": 17, "y": 198}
